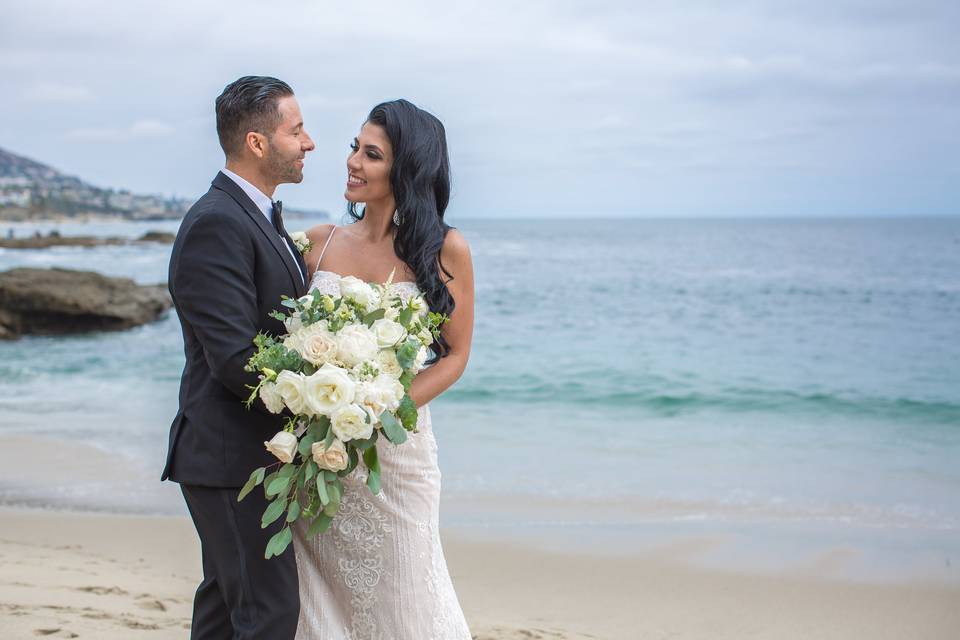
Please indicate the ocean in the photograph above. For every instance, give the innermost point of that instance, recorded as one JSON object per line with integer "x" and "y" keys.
{"x": 627, "y": 376}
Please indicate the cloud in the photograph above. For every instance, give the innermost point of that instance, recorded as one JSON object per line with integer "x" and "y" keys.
{"x": 552, "y": 104}
{"x": 50, "y": 93}
{"x": 141, "y": 129}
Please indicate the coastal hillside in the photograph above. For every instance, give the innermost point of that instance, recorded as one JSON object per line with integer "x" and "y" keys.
{"x": 31, "y": 190}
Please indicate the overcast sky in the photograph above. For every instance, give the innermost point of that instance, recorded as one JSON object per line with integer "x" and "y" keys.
{"x": 692, "y": 108}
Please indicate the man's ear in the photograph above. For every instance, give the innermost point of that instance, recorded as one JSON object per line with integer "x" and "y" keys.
{"x": 256, "y": 143}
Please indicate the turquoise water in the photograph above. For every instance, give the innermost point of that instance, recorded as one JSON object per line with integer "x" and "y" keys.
{"x": 698, "y": 370}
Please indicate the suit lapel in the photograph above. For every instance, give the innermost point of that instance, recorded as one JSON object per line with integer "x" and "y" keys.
{"x": 297, "y": 254}
{"x": 227, "y": 185}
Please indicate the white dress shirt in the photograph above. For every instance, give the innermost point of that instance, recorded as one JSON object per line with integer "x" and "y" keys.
{"x": 265, "y": 204}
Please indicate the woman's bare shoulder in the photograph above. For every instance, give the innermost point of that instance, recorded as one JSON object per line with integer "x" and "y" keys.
{"x": 455, "y": 246}
{"x": 319, "y": 232}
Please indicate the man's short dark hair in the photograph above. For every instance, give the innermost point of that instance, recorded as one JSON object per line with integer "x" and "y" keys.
{"x": 249, "y": 104}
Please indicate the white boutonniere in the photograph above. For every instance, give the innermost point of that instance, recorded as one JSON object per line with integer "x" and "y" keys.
{"x": 302, "y": 242}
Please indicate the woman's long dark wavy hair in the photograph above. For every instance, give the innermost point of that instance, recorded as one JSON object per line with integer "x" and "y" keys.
{"x": 420, "y": 179}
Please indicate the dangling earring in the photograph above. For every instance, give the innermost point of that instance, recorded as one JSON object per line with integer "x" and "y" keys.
{"x": 396, "y": 217}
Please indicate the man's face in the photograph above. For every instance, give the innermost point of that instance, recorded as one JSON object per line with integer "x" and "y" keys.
{"x": 288, "y": 145}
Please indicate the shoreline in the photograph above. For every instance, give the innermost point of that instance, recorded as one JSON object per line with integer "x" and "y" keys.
{"x": 82, "y": 480}
{"x": 114, "y": 576}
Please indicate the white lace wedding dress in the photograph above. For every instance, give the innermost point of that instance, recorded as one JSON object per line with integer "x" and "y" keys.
{"x": 379, "y": 573}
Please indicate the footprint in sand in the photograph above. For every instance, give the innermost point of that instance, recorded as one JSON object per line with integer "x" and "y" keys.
{"x": 103, "y": 591}
{"x": 503, "y": 633}
{"x": 136, "y": 624}
{"x": 95, "y": 615}
{"x": 59, "y": 633}
{"x": 151, "y": 604}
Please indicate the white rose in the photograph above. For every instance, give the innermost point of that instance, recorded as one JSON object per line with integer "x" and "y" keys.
{"x": 356, "y": 343}
{"x": 425, "y": 336}
{"x": 388, "y": 332}
{"x": 294, "y": 341}
{"x": 317, "y": 345}
{"x": 301, "y": 241}
{"x": 350, "y": 423}
{"x": 383, "y": 393}
{"x": 422, "y": 356}
{"x": 293, "y": 322}
{"x": 271, "y": 397}
{"x": 283, "y": 446}
{"x": 333, "y": 459}
{"x": 306, "y": 300}
{"x": 328, "y": 390}
{"x": 387, "y": 360}
{"x": 291, "y": 388}
{"x": 360, "y": 292}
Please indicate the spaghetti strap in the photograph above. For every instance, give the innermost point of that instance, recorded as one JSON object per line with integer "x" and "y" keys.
{"x": 325, "y": 245}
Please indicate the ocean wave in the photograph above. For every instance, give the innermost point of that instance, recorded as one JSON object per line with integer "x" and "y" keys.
{"x": 731, "y": 400}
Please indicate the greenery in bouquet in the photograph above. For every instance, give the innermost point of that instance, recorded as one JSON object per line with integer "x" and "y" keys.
{"x": 341, "y": 376}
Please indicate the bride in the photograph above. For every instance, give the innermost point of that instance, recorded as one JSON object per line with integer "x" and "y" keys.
{"x": 379, "y": 573}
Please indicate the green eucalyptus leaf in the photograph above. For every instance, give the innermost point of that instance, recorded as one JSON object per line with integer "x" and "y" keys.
{"x": 407, "y": 412}
{"x": 373, "y": 482}
{"x": 279, "y": 543}
{"x": 319, "y": 525}
{"x": 372, "y": 459}
{"x": 319, "y": 428}
{"x": 322, "y": 491}
{"x": 354, "y": 461}
{"x": 278, "y": 486}
{"x": 312, "y": 509}
{"x": 293, "y": 512}
{"x": 407, "y": 353}
{"x": 373, "y": 316}
{"x": 363, "y": 445}
{"x": 335, "y": 492}
{"x": 306, "y": 442}
{"x": 273, "y": 511}
{"x": 266, "y": 482}
{"x": 255, "y": 478}
{"x": 392, "y": 428}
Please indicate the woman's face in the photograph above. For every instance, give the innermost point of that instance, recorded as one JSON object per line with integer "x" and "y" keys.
{"x": 368, "y": 165}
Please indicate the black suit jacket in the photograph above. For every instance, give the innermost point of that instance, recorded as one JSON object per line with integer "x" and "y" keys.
{"x": 228, "y": 271}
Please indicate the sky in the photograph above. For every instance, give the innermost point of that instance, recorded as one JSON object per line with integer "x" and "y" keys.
{"x": 552, "y": 109}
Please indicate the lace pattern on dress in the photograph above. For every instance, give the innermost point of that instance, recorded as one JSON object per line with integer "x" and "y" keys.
{"x": 379, "y": 572}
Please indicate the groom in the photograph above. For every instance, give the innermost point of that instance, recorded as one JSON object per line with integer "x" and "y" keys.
{"x": 231, "y": 263}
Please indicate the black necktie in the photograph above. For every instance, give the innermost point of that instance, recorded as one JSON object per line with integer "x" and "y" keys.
{"x": 278, "y": 219}
{"x": 278, "y": 225}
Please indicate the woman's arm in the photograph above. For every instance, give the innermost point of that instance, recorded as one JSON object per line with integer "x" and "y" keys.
{"x": 458, "y": 331}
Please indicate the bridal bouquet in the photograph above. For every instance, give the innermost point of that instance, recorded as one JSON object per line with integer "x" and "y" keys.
{"x": 342, "y": 372}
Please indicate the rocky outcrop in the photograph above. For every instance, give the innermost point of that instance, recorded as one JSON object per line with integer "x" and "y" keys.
{"x": 61, "y": 301}
{"x": 158, "y": 236}
{"x": 54, "y": 239}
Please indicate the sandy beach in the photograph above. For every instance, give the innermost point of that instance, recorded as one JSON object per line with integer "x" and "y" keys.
{"x": 74, "y": 575}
